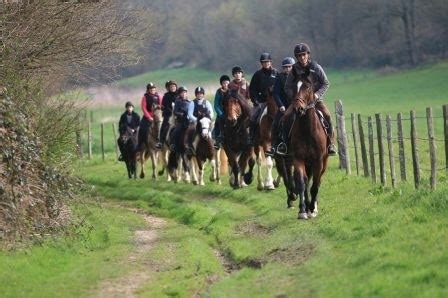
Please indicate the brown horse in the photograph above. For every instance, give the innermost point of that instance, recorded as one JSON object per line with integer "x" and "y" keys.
{"x": 149, "y": 149}
{"x": 262, "y": 142}
{"x": 308, "y": 152}
{"x": 238, "y": 151}
{"x": 205, "y": 151}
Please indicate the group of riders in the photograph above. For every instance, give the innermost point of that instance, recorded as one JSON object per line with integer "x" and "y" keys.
{"x": 253, "y": 96}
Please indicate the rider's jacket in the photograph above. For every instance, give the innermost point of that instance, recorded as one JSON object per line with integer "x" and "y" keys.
{"x": 183, "y": 110}
{"x": 148, "y": 103}
{"x": 202, "y": 108}
{"x": 167, "y": 103}
{"x": 262, "y": 80}
{"x": 279, "y": 90}
{"x": 314, "y": 72}
{"x": 128, "y": 120}
{"x": 242, "y": 87}
{"x": 217, "y": 104}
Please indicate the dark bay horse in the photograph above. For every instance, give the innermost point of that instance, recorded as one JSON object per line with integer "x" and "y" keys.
{"x": 262, "y": 143}
{"x": 308, "y": 152}
{"x": 238, "y": 151}
{"x": 205, "y": 151}
{"x": 148, "y": 149}
{"x": 129, "y": 139}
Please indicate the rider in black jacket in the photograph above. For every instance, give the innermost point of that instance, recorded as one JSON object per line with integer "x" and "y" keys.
{"x": 129, "y": 119}
{"x": 167, "y": 110}
{"x": 261, "y": 81}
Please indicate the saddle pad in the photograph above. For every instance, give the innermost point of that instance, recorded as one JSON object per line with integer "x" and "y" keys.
{"x": 265, "y": 112}
{"x": 322, "y": 120}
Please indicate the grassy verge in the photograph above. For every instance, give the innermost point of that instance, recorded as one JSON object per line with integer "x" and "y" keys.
{"x": 73, "y": 265}
{"x": 367, "y": 241}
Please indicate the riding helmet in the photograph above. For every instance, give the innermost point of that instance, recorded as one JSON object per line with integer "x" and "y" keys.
{"x": 150, "y": 85}
{"x": 169, "y": 83}
{"x": 288, "y": 61}
{"x": 224, "y": 78}
{"x": 265, "y": 57}
{"x": 128, "y": 104}
{"x": 199, "y": 90}
{"x": 301, "y": 48}
{"x": 182, "y": 89}
{"x": 236, "y": 69}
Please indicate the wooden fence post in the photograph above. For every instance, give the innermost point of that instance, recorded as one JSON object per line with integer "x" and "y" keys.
{"x": 338, "y": 111}
{"x": 432, "y": 148}
{"x": 342, "y": 139}
{"x": 391, "y": 151}
{"x": 78, "y": 138}
{"x": 365, "y": 162}
{"x": 379, "y": 134}
{"x": 355, "y": 142}
{"x": 89, "y": 137}
{"x": 401, "y": 148}
{"x": 371, "y": 150}
{"x": 117, "y": 150}
{"x": 102, "y": 141}
{"x": 415, "y": 158}
{"x": 445, "y": 129}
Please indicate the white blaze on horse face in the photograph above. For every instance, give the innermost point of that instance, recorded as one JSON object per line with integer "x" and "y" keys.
{"x": 299, "y": 84}
{"x": 205, "y": 125}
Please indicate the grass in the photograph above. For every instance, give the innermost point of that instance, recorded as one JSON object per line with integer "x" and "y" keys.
{"x": 367, "y": 240}
{"x": 72, "y": 265}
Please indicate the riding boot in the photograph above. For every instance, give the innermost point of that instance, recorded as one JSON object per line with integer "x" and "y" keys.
{"x": 191, "y": 132}
{"x": 331, "y": 147}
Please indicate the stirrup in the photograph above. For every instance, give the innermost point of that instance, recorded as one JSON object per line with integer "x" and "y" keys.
{"x": 217, "y": 145}
{"x": 190, "y": 150}
{"x": 332, "y": 150}
{"x": 172, "y": 147}
{"x": 159, "y": 145}
{"x": 271, "y": 152}
{"x": 282, "y": 149}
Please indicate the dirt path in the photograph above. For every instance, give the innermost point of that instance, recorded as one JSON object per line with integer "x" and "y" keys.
{"x": 143, "y": 266}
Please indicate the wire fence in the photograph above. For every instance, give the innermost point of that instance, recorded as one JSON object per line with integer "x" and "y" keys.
{"x": 380, "y": 147}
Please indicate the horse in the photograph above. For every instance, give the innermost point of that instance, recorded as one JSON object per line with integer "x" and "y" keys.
{"x": 308, "y": 151}
{"x": 238, "y": 151}
{"x": 165, "y": 151}
{"x": 149, "y": 149}
{"x": 205, "y": 151}
{"x": 129, "y": 139}
{"x": 262, "y": 142}
{"x": 178, "y": 159}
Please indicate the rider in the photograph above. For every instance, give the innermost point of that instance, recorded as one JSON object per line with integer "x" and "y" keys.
{"x": 129, "y": 119}
{"x": 183, "y": 111}
{"x": 150, "y": 100}
{"x": 304, "y": 67}
{"x": 282, "y": 104}
{"x": 202, "y": 108}
{"x": 262, "y": 80}
{"x": 240, "y": 86}
{"x": 224, "y": 80}
{"x": 167, "y": 110}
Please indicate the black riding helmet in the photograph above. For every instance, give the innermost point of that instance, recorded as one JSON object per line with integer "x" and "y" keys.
{"x": 236, "y": 69}
{"x": 199, "y": 90}
{"x": 265, "y": 57}
{"x": 301, "y": 48}
{"x": 182, "y": 89}
{"x": 128, "y": 104}
{"x": 288, "y": 61}
{"x": 150, "y": 85}
{"x": 224, "y": 78}
{"x": 169, "y": 83}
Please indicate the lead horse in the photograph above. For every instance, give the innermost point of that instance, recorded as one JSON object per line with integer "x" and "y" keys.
{"x": 238, "y": 151}
{"x": 148, "y": 149}
{"x": 307, "y": 152}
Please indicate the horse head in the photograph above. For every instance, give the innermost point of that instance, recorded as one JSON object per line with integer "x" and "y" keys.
{"x": 305, "y": 96}
{"x": 205, "y": 127}
{"x": 127, "y": 135}
{"x": 232, "y": 107}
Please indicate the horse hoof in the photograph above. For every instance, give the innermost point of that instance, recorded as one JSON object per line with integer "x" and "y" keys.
{"x": 312, "y": 214}
{"x": 195, "y": 182}
{"x": 243, "y": 184}
{"x": 303, "y": 215}
{"x": 291, "y": 207}
{"x": 260, "y": 187}
{"x": 269, "y": 187}
{"x": 142, "y": 176}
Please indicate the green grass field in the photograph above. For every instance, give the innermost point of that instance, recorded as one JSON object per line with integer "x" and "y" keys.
{"x": 368, "y": 240}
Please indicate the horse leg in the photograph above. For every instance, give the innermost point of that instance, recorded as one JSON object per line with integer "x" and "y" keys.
{"x": 213, "y": 176}
{"x": 201, "y": 167}
{"x": 142, "y": 162}
{"x": 234, "y": 181}
{"x": 218, "y": 166}
{"x": 300, "y": 187}
{"x": 317, "y": 175}
{"x": 269, "y": 182}
{"x": 186, "y": 169}
{"x": 154, "y": 165}
{"x": 194, "y": 167}
{"x": 260, "y": 185}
